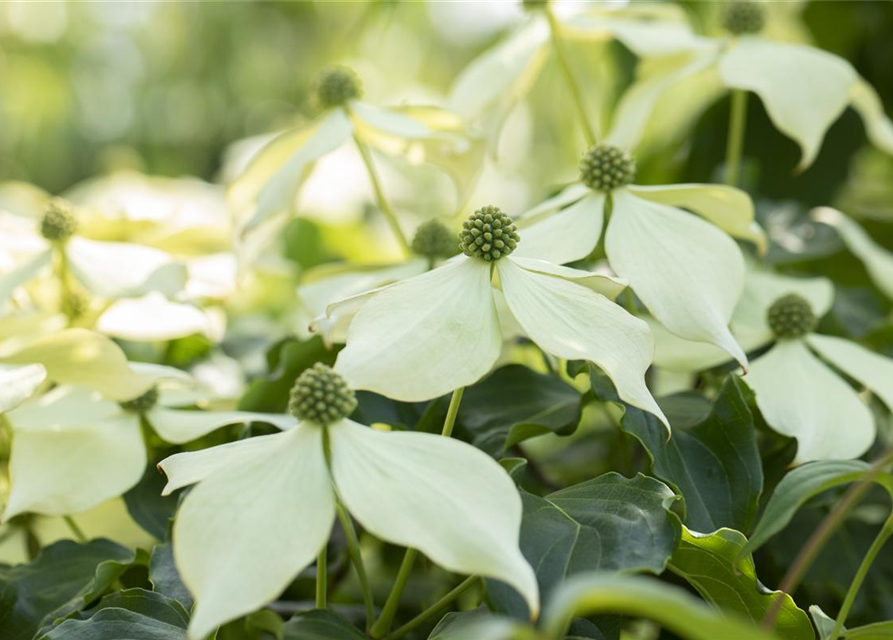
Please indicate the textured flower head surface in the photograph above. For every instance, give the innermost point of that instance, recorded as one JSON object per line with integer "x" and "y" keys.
{"x": 264, "y": 193}
{"x": 804, "y": 89}
{"x": 673, "y": 244}
{"x": 799, "y": 394}
{"x": 263, "y": 508}
{"x": 427, "y": 335}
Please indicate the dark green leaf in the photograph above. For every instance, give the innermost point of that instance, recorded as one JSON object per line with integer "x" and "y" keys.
{"x": 148, "y": 507}
{"x": 116, "y": 624}
{"x": 608, "y": 524}
{"x": 711, "y": 458}
{"x": 478, "y": 623}
{"x": 708, "y": 563}
{"x": 164, "y": 576}
{"x": 516, "y": 403}
{"x": 320, "y": 625}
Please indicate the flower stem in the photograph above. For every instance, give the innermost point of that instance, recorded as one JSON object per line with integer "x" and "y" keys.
{"x": 452, "y": 412}
{"x": 383, "y": 204}
{"x": 383, "y": 624}
{"x": 564, "y": 63}
{"x": 464, "y": 586}
{"x": 867, "y": 561}
{"x": 353, "y": 549}
{"x": 735, "y": 141}
{"x": 321, "y": 578}
{"x": 75, "y": 529}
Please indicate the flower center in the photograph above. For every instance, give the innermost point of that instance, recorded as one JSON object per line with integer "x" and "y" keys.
{"x": 433, "y": 240}
{"x": 58, "y": 223}
{"x": 322, "y": 396}
{"x": 791, "y": 316}
{"x": 488, "y": 234}
{"x": 741, "y": 17}
{"x": 337, "y": 85}
{"x": 606, "y": 167}
{"x": 142, "y": 403}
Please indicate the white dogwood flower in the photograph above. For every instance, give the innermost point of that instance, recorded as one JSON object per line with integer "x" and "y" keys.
{"x": 428, "y": 335}
{"x": 799, "y": 394}
{"x": 263, "y": 508}
{"x": 685, "y": 267}
{"x": 804, "y": 89}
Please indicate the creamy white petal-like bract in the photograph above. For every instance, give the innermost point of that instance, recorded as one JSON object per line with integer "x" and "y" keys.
{"x": 153, "y": 318}
{"x": 687, "y": 272}
{"x": 879, "y": 127}
{"x": 566, "y": 235}
{"x": 122, "y": 270}
{"x": 878, "y": 261}
{"x": 391, "y": 121}
{"x": 179, "y": 425}
{"x": 870, "y": 369}
{"x": 608, "y": 286}
{"x": 11, "y": 279}
{"x": 802, "y": 398}
{"x": 443, "y": 497}
{"x": 423, "y": 337}
{"x": 18, "y": 383}
{"x": 803, "y": 88}
{"x": 575, "y": 323}
{"x": 244, "y": 533}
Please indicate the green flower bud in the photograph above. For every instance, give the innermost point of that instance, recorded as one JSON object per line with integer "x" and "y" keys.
{"x": 337, "y": 85}
{"x": 142, "y": 403}
{"x": 488, "y": 234}
{"x": 791, "y": 316}
{"x": 606, "y": 167}
{"x": 742, "y": 16}
{"x": 75, "y": 305}
{"x": 58, "y": 223}
{"x": 433, "y": 240}
{"x": 322, "y": 396}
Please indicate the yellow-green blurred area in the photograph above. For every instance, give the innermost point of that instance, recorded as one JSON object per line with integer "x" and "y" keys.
{"x": 165, "y": 87}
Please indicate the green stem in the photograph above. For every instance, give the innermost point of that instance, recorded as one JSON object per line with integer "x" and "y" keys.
{"x": 564, "y": 63}
{"x": 353, "y": 549}
{"x": 420, "y": 619}
{"x": 383, "y": 624}
{"x": 321, "y": 578}
{"x": 75, "y": 529}
{"x": 380, "y": 198}
{"x": 735, "y": 141}
{"x": 859, "y": 578}
{"x": 452, "y": 412}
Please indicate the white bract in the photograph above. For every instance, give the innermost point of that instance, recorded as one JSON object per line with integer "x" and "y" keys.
{"x": 684, "y": 266}
{"x": 430, "y": 334}
{"x": 799, "y": 394}
{"x": 264, "y": 507}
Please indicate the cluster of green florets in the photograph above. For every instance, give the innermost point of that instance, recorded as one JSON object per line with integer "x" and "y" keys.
{"x": 606, "y": 167}
{"x": 142, "y": 403}
{"x": 741, "y": 17}
{"x": 322, "y": 396}
{"x": 791, "y": 316}
{"x": 488, "y": 234}
{"x": 433, "y": 240}
{"x": 336, "y": 86}
{"x": 58, "y": 223}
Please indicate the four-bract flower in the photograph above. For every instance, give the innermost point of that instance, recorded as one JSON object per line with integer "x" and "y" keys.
{"x": 798, "y": 393}
{"x": 265, "y": 192}
{"x": 803, "y": 88}
{"x": 426, "y": 336}
{"x": 685, "y": 268}
{"x": 264, "y": 507}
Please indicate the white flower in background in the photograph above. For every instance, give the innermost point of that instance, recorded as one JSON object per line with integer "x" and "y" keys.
{"x": 488, "y": 88}
{"x": 803, "y": 88}
{"x": 878, "y": 261}
{"x": 73, "y": 448}
{"x": 264, "y": 194}
{"x": 263, "y": 508}
{"x": 684, "y": 267}
{"x": 426, "y": 336}
{"x": 799, "y": 394}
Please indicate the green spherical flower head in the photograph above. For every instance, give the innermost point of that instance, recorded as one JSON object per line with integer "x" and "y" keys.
{"x": 322, "y": 396}
{"x": 606, "y": 167}
{"x": 337, "y": 85}
{"x": 58, "y": 223}
{"x": 742, "y": 17}
{"x": 488, "y": 234}
{"x": 791, "y": 316}
{"x": 75, "y": 305}
{"x": 142, "y": 403}
{"x": 433, "y": 240}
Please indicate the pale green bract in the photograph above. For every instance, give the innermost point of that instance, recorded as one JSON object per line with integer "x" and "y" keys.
{"x": 268, "y": 504}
